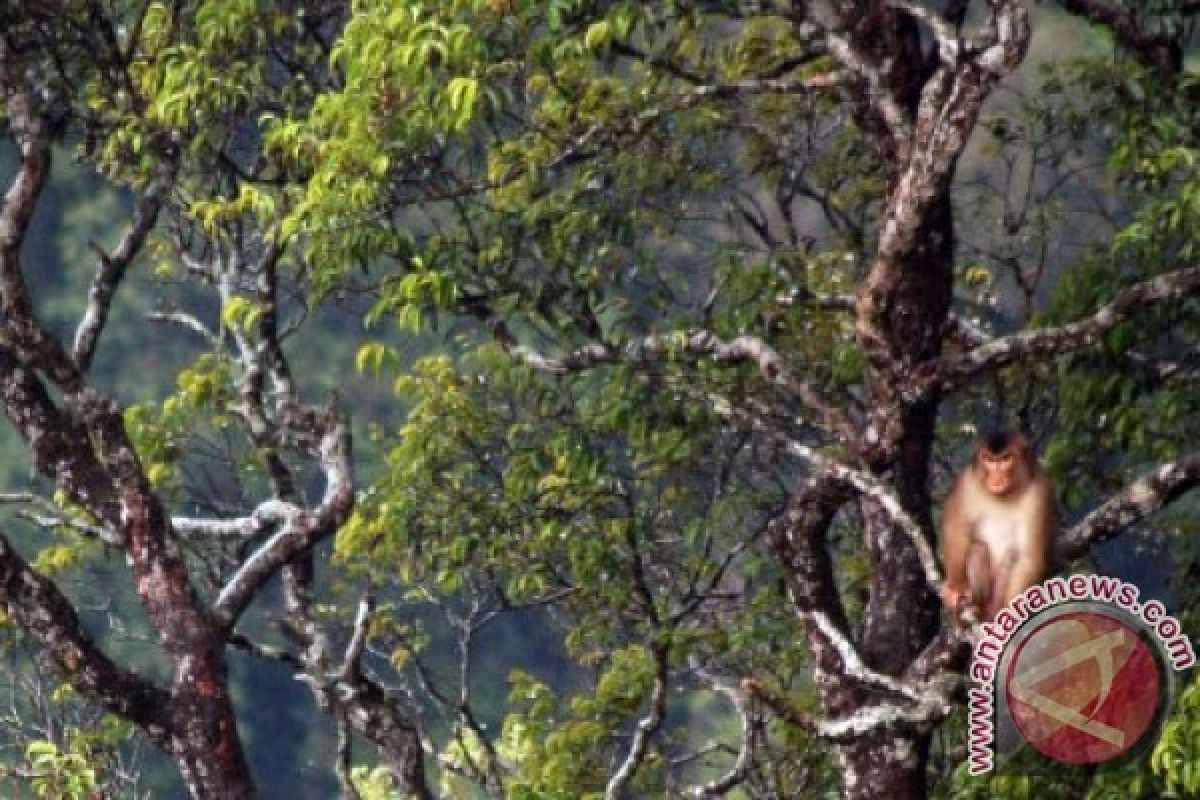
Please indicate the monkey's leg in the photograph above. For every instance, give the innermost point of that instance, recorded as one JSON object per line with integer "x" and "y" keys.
{"x": 999, "y": 592}
{"x": 979, "y": 576}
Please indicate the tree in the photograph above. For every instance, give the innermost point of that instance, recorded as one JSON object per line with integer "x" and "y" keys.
{"x": 715, "y": 333}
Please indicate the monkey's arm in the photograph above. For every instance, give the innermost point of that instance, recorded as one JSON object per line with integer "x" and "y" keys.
{"x": 956, "y": 538}
{"x": 1033, "y": 558}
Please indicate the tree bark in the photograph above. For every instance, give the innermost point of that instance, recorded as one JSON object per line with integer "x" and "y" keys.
{"x": 902, "y": 611}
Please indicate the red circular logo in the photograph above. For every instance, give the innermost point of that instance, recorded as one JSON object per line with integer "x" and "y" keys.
{"x": 1083, "y": 687}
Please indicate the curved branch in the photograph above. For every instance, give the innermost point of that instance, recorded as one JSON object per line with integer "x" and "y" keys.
{"x": 695, "y": 343}
{"x": 934, "y": 706}
{"x": 1131, "y": 505}
{"x": 112, "y": 270}
{"x": 647, "y": 726}
{"x": 301, "y": 528}
{"x": 31, "y": 134}
{"x": 872, "y": 487}
{"x": 737, "y": 697}
{"x": 950, "y": 372}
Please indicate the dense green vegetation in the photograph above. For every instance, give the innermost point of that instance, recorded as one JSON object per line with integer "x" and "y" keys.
{"x": 585, "y": 282}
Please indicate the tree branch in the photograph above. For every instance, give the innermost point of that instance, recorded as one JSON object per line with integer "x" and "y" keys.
{"x": 738, "y": 698}
{"x": 934, "y": 706}
{"x": 57, "y": 442}
{"x": 696, "y": 343}
{"x": 357, "y": 700}
{"x": 861, "y": 481}
{"x": 1131, "y": 505}
{"x": 45, "y": 614}
{"x": 239, "y": 527}
{"x": 51, "y": 515}
{"x": 301, "y": 530}
{"x": 948, "y": 372}
{"x": 32, "y": 138}
{"x": 647, "y": 726}
{"x": 188, "y": 321}
{"x": 111, "y": 271}
{"x": 1159, "y": 51}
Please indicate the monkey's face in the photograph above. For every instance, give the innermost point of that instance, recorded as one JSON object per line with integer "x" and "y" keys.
{"x": 999, "y": 471}
{"x": 1002, "y": 462}
{"x": 997, "y": 474}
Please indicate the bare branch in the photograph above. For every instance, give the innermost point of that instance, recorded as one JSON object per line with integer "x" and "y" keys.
{"x": 357, "y": 700}
{"x": 934, "y": 706}
{"x": 26, "y": 188}
{"x": 951, "y": 371}
{"x": 112, "y": 270}
{"x": 187, "y": 321}
{"x": 807, "y": 298}
{"x": 51, "y": 515}
{"x": 872, "y": 487}
{"x": 1131, "y": 505}
{"x": 696, "y": 343}
{"x": 824, "y": 80}
{"x": 737, "y": 697}
{"x": 300, "y": 531}
{"x": 239, "y": 527}
{"x": 358, "y": 640}
{"x": 647, "y": 726}
{"x": 853, "y": 665}
{"x": 32, "y": 137}
{"x": 350, "y": 672}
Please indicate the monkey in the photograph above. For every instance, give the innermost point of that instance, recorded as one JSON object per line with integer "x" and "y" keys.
{"x": 997, "y": 524}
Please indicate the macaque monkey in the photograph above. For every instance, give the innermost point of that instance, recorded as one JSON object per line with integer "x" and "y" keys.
{"x": 996, "y": 527}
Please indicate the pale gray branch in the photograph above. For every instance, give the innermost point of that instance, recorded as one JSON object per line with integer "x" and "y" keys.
{"x": 1137, "y": 501}
{"x": 690, "y": 344}
{"x": 647, "y": 726}
{"x": 358, "y": 640}
{"x": 112, "y": 270}
{"x": 952, "y": 371}
{"x": 737, "y": 697}
{"x": 300, "y": 531}
{"x": 187, "y": 321}
{"x": 239, "y": 527}
{"x": 933, "y": 706}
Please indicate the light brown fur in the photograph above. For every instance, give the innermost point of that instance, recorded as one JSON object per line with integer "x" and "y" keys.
{"x": 997, "y": 524}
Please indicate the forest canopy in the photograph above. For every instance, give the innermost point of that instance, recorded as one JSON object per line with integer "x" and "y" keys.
{"x": 545, "y": 399}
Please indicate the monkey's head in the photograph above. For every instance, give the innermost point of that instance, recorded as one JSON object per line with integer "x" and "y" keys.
{"x": 1003, "y": 461}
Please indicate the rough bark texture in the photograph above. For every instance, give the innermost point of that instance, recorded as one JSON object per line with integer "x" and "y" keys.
{"x": 916, "y": 81}
{"x": 77, "y": 438}
{"x": 920, "y": 121}
{"x": 902, "y": 611}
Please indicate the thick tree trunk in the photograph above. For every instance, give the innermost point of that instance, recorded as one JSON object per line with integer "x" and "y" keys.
{"x": 204, "y": 739}
{"x": 902, "y": 611}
